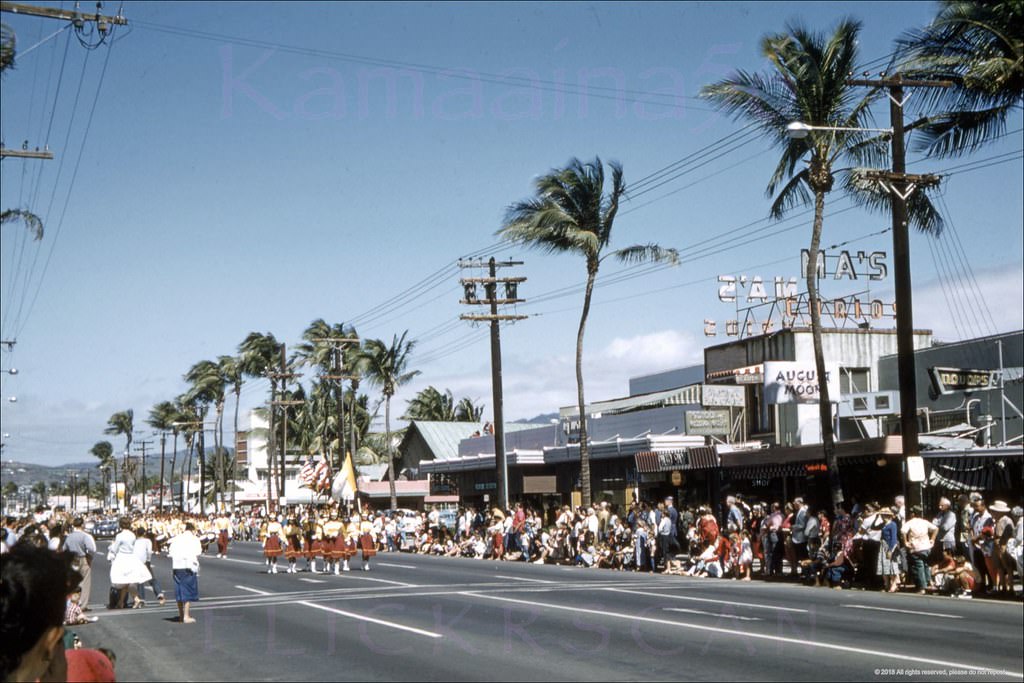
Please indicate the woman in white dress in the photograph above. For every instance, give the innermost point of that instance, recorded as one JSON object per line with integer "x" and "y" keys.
{"x": 126, "y": 570}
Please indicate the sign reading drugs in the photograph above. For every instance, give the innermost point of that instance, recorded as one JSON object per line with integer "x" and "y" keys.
{"x": 795, "y": 382}
{"x": 950, "y": 380}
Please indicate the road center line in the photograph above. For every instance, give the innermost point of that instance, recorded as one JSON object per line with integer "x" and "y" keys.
{"x": 231, "y": 559}
{"x": 354, "y": 575}
{"x": 711, "y": 600}
{"x": 392, "y": 564}
{"x": 360, "y": 617}
{"x": 905, "y": 611}
{"x": 253, "y": 590}
{"x": 313, "y": 580}
{"x": 712, "y": 614}
{"x": 874, "y": 654}
{"x": 519, "y": 578}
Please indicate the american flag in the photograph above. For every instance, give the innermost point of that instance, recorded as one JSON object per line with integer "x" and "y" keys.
{"x": 307, "y": 474}
{"x": 322, "y": 476}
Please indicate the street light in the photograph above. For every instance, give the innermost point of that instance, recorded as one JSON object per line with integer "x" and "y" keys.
{"x": 798, "y": 130}
{"x": 901, "y": 185}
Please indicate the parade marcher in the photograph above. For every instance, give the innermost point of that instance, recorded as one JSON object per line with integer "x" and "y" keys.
{"x": 184, "y": 551}
{"x": 335, "y": 544}
{"x": 367, "y": 543}
{"x": 144, "y": 552}
{"x": 312, "y": 538}
{"x": 292, "y": 543}
{"x": 273, "y": 545}
{"x": 126, "y": 570}
{"x": 224, "y": 534}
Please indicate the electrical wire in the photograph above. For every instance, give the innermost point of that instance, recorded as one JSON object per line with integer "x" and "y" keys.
{"x": 71, "y": 186}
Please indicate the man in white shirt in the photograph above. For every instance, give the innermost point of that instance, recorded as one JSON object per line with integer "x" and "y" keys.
{"x": 184, "y": 551}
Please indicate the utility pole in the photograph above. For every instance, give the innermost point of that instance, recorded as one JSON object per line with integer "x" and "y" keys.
{"x": 284, "y": 375}
{"x": 338, "y": 344}
{"x": 510, "y": 297}
{"x": 163, "y": 450}
{"x": 901, "y": 185}
{"x": 26, "y": 153}
{"x": 141, "y": 447}
{"x": 103, "y": 22}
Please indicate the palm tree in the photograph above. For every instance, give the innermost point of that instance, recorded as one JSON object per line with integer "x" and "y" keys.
{"x": 162, "y": 417}
{"x": 207, "y": 388}
{"x": 571, "y": 214}
{"x": 320, "y": 350}
{"x": 8, "y": 43}
{"x": 257, "y": 354}
{"x": 32, "y": 222}
{"x": 468, "y": 411}
{"x": 121, "y": 424}
{"x": 808, "y": 83}
{"x": 104, "y": 452}
{"x": 387, "y": 367}
{"x": 979, "y": 46}
{"x": 431, "y": 405}
{"x": 231, "y": 371}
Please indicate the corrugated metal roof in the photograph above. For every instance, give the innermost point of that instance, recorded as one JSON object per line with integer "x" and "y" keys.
{"x": 442, "y": 438}
{"x": 674, "y": 397}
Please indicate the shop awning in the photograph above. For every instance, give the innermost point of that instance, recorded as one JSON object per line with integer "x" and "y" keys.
{"x": 967, "y": 473}
{"x": 694, "y": 458}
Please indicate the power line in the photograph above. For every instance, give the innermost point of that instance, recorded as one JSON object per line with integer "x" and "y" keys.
{"x": 71, "y": 186}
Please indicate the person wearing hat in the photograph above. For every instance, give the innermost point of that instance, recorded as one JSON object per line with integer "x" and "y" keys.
{"x": 888, "y": 551}
{"x": 919, "y": 536}
{"x": 1003, "y": 535}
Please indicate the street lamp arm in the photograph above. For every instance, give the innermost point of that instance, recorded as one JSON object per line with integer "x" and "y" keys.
{"x": 799, "y": 130}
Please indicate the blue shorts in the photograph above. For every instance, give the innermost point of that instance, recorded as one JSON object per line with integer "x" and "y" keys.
{"x": 186, "y": 585}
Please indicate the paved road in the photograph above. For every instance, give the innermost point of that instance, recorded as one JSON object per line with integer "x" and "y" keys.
{"x": 427, "y": 618}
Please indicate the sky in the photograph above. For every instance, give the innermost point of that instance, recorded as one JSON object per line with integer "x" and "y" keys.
{"x": 224, "y": 168}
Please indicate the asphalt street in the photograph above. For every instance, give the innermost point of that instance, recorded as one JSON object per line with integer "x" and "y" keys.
{"x": 429, "y": 618}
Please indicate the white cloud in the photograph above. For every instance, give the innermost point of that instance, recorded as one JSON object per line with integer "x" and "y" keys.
{"x": 542, "y": 384}
{"x": 961, "y": 311}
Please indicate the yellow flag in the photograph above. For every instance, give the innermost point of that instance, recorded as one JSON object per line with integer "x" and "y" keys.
{"x": 344, "y": 487}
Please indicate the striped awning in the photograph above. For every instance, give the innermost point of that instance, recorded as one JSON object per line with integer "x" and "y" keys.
{"x": 647, "y": 462}
{"x": 967, "y": 473}
{"x": 771, "y": 471}
{"x": 695, "y": 458}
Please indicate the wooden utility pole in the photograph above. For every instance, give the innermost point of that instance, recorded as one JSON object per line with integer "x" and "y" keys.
{"x": 78, "y": 19}
{"x": 284, "y": 375}
{"x": 163, "y": 448}
{"x": 491, "y": 298}
{"x": 140, "y": 446}
{"x": 901, "y": 185}
{"x": 25, "y": 153}
{"x": 338, "y": 344}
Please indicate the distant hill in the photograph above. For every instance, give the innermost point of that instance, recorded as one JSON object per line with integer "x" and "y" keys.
{"x": 22, "y": 473}
{"x": 544, "y": 419}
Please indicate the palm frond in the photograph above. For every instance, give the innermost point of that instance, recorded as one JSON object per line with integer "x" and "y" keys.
{"x": 646, "y": 253}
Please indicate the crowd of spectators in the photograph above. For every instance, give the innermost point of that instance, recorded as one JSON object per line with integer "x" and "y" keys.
{"x": 967, "y": 548}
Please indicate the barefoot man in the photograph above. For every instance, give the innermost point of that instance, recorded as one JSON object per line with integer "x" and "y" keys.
{"x": 184, "y": 551}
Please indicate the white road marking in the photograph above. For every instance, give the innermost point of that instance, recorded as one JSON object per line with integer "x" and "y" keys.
{"x": 717, "y": 602}
{"x": 519, "y": 578}
{"x": 231, "y": 559}
{"x": 905, "y": 611}
{"x": 313, "y": 580}
{"x": 362, "y": 575}
{"x": 253, "y": 590}
{"x": 360, "y": 617}
{"x": 400, "y": 566}
{"x": 874, "y": 654}
{"x": 712, "y": 614}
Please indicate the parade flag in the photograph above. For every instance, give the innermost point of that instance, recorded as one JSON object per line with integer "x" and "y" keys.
{"x": 345, "y": 483}
{"x": 322, "y": 476}
{"x": 307, "y": 474}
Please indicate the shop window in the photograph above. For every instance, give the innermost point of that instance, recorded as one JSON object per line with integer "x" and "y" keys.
{"x": 854, "y": 380}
